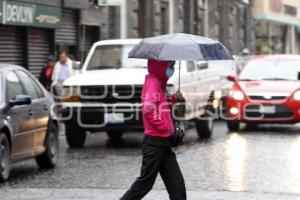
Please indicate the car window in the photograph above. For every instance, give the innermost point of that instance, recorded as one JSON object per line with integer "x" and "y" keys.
{"x": 37, "y": 86}
{"x": 29, "y": 85}
{"x": 190, "y": 66}
{"x": 14, "y": 85}
{"x": 202, "y": 65}
{"x": 39, "y": 90}
{"x": 280, "y": 69}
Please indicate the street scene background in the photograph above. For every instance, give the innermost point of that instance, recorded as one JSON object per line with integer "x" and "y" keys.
{"x": 249, "y": 162}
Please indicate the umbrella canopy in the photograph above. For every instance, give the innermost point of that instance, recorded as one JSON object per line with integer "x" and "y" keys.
{"x": 180, "y": 46}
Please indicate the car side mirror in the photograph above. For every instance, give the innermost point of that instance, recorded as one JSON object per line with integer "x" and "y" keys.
{"x": 20, "y": 100}
{"x": 299, "y": 76}
{"x": 76, "y": 65}
{"x": 231, "y": 78}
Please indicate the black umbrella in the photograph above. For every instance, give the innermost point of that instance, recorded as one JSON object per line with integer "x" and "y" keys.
{"x": 180, "y": 46}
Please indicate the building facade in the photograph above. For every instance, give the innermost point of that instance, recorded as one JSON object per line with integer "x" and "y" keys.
{"x": 31, "y": 30}
{"x": 27, "y": 31}
{"x": 277, "y": 26}
{"x": 229, "y": 21}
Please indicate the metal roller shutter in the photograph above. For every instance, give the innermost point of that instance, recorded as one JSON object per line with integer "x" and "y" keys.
{"x": 11, "y": 46}
{"x": 67, "y": 34}
{"x": 39, "y": 49}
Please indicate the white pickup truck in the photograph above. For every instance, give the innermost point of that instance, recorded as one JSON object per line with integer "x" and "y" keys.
{"x": 106, "y": 95}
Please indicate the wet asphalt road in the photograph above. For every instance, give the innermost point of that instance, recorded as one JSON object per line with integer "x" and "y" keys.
{"x": 265, "y": 160}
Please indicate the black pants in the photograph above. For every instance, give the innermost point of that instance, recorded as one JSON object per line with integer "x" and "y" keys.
{"x": 158, "y": 157}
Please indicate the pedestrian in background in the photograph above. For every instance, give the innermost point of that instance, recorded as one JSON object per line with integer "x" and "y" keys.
{"x": 46, "y": 74}
{"x": 158, "y": 156}
{"x": 63, "y": 69}
{"x": 245, "y": 52}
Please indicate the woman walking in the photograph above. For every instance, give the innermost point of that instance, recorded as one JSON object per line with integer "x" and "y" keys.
{"x": 158, "y": 156}
{"x": 46, "y": 73}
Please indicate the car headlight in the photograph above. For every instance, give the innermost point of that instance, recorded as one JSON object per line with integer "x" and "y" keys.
{"x": 236, "y": 95}
{"x": 70, "y": 94}
{"x": 296, "y": 95}
{"x": 218, "y": 94}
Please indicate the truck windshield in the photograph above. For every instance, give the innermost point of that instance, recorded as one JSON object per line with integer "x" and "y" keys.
{"x": 114, "y": 57}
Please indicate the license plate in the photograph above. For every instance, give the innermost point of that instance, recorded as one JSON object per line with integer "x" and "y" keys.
{"x": 114, "y": 118}
{"x": 267, "y": 109}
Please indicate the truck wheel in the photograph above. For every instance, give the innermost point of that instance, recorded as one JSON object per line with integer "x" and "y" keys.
{"x": 4, "y": 158}
{"x": 114, "y": 135}
{"x": 75, "y": 136}
{"x": 205, "y": 127}
{"x": 183, "y": 125}
{"x": 49, "y": 158}
{"x": 233, "y": 125}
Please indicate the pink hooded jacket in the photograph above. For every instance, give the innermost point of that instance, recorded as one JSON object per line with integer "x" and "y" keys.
{"x": 156, "y": 109}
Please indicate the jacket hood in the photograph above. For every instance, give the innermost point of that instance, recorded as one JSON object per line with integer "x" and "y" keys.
{"x": 158, "y": 69}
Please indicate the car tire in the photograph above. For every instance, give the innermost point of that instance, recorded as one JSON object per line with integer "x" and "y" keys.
{"x": 75, "y": 136}
{"x": 205, "y": 127}
{"x": 182, "y": 124}
{"x": 114, "y": 135}
{"x": 5, "y": 154}
{"x": 233, "y": 125}
{"x": 49, "y": 158}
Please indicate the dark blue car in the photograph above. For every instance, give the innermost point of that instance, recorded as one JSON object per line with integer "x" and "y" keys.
{"x": 27, "y": 129}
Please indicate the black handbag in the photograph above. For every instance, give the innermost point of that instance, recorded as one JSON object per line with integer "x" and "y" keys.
{"x": 178, "y": 136}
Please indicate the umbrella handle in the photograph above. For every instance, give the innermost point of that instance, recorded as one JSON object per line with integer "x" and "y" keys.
{"x": 179, "y": 76}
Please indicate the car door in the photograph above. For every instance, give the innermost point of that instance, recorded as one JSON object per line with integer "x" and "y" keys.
{"x": 21, "y": 118}
{"x": 210, "y": 81}
{"x": 188, "y": 86}
{"x": 203, "y": 83}
{"x": 40, "y": 109}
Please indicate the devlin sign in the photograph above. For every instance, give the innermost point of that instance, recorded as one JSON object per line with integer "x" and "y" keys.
{"x": 26, "y": 14}
{"x": 18, "y": 14}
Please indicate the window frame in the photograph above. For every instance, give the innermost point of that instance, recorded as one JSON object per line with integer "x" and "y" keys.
{"x": 37, "y": 88}
{"x": 188, "y": 64}
{"x": 7, "y": 85}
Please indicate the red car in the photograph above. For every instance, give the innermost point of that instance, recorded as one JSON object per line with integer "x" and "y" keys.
{"x": 266, "y": 91}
